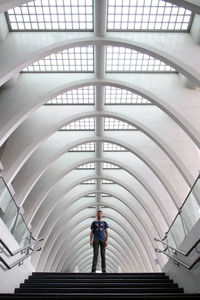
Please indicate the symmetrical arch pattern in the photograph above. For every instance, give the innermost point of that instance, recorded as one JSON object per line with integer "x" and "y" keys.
{"x": 155, "y": 172}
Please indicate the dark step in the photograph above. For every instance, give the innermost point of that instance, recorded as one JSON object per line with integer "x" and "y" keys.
{"x": 103, "y": 280}
{"x": 99, "y": 290}
{"x": 98, "y": 275}
{"x": 85, "y": 274}
{"x": 77, "y": 296}
{"x": 97, "y": 285}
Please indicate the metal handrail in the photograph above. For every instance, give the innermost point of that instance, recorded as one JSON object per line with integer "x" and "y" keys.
{"x": 20, "y": 260}
{"x": 21, "y": 249}
{"x": 177, "y": 250}
{"x": 180, "y": 208}
{"x": 178, "y": 261}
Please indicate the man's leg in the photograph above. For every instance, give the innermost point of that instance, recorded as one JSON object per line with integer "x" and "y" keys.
{"x": 95, "y": 255}
{"x": 103, "y": 256}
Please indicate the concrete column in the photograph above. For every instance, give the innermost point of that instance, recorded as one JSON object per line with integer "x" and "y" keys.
{"x": 195, "y": 29}
{"x": 100, "y": 19}
{"x": 3, "y": 28}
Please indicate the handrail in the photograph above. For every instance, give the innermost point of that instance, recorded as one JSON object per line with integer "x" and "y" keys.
{"x": 178, "y": 261}
{"x": 177, "y": 250}
{"x": 12, "y": 230}
{"x": 180, "y": 208}
{"x": 20, "y": 260}
{"x": 21, "y": 249}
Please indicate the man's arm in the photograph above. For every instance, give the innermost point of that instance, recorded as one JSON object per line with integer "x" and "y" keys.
{"x": 91, "y": 237}
{"x": 106, "y": 242}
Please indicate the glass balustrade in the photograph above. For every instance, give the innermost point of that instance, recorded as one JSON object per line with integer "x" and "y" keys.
{"x": 11, "y": 216}
{"x": 187, "y": 217}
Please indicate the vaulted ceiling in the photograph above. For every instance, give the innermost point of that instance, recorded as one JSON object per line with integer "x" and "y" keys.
{"x": 99, "y": 109}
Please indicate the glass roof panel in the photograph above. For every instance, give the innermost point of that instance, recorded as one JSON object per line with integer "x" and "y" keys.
{"x": 80, "y": 125}
{"x": 92, "y": 181}
{"x": 78, "y": 59}
{"x": 111, "y": 124}
{"x": 105, "y": 181}
{"x": 120, "y": 59}
{"x": 90, "y": 166}
{"x": 110, "y": 166}
{"x": 110, "y": 147}
{"x": 87, "y": 147}
{"x": 83, "y": 95}
{"x": 115, "y": 95}
{"x": 147, "y": 15}
{"x": 106, "y": 195}
{"x": 52, "y": 15}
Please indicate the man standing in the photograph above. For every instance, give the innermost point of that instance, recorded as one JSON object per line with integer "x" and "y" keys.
{"x": 99, "y": 237}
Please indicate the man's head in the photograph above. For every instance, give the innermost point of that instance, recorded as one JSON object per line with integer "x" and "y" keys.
{"x": 99, "y": 214}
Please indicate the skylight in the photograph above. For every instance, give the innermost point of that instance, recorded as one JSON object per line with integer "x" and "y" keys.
{"x": 110, "y": 147}
{"x": 105, "y": 181}
{"x": 91, "y": 181}
{"x": 83, "y": 95}
{"x": 120, "y": 59}
{"x": 80, "y": 125}
{"x": 105, "y": 195}
{"x": 110, "y": 166}
{"x": 53, "y": 15}
{"x": 88, "y": 147}
{"x": 147, "y": 15}
{"x": 115, "y": 95}
{"x": 78, "y": 59}
{"x": 86, "y": 166}
{"x": 114, "y": 124}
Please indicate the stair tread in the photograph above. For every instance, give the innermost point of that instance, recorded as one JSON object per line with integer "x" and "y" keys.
{"x": 106, "y": 296}
{"x": 103, "y": 280}
{"x": 98, "y": 284}
{"x": 101, "y": 290}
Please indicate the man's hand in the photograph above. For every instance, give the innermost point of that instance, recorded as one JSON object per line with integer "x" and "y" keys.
{"x": 106, "y": 243}
{"x": 91, "y": 243}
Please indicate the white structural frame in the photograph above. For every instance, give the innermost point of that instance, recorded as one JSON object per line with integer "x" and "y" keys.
{"x": 155, "y": 175}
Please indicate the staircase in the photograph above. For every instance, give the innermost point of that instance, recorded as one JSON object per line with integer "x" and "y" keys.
{"x": 98, "y": 286}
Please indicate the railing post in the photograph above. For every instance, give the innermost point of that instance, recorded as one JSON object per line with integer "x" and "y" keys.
{"x": 28, "y": 249}
{"x": 15, "y": 222}
{"x": 183, "y": 223}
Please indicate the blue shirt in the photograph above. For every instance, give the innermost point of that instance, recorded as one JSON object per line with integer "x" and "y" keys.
{"x": 99, "y": 230}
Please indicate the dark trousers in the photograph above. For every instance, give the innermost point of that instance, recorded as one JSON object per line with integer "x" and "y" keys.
{"x": 96, "y": 245}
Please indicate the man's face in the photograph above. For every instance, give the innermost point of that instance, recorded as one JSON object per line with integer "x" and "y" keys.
{"x": 99, "y": 215}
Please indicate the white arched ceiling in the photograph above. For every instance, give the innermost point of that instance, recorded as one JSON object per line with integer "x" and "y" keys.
{"x": 155, "y": 174}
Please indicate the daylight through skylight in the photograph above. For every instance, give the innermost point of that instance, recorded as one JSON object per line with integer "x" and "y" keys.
{"x": 110, "y": 147}
{"x": 86, "y": 166}
{"x": 115, "y": 95}
{"x": 83, "y": 95}
{"x": 153, "y": 15}
{"x": 105, "y": 181}
{"x": 120, "y": 59}
{"x": 91, "y": 181}
{"x": 52, "y": 15}
{"x": 78, "y": 59}
{"x": 114, "y": 124}
{"x": 110, "y": 166}
{"x": 80, "y": 125}
{"x": 88, "y": 147}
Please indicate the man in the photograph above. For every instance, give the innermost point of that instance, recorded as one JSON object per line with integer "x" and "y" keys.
{"x": 99, "y": 237}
